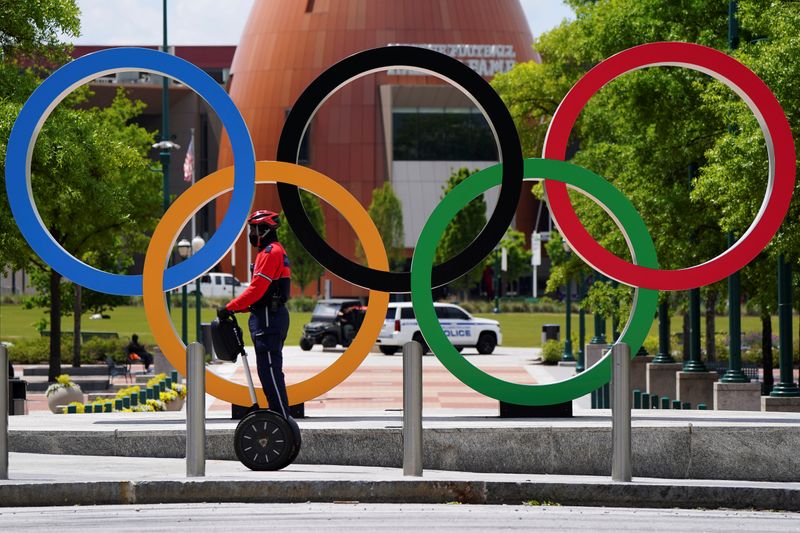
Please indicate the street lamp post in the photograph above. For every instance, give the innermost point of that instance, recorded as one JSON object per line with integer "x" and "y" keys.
{"x": 496, "y": 281}
{"x": 786, "y": 386}
{"x": 197, "y": 243}
{"x": 664, "y": 354}
{"x": 694, "y": 364}
{"x": 599, "y": 321}
{"x": 184, "y": 251}
{"x": 581, "y": 365}
{"x": 567, "y": 354}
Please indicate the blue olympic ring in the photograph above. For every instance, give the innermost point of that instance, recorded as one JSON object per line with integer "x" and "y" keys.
{"x": 54, "y": 89}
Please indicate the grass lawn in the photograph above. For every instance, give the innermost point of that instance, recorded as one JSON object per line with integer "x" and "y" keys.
{"x": 17, "y": 322}
{"x": 519, "y": 329}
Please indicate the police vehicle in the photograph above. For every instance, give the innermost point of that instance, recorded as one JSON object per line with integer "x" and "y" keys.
{"x": 463, "y": 329}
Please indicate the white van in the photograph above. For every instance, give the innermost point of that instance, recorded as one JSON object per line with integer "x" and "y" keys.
{"x": 463, "y": 329}
{"x": 219, "y": 285}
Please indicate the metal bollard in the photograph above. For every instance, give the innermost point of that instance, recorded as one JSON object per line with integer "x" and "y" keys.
{"x": 195, "y": 410}
{"x": 621, "y": 412}
{"x": 3, "y": 412}
{"x": 412, "y": 409}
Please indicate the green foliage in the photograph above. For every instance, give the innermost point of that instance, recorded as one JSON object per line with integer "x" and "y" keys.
{"x": 387, "y": 213}
{"x": 609, "y": 300}
{"x": 36, "y": 350}
{"x": 552, "y": 351}
{"x": 564, "y": 265}
{"x": 30, "y": 38}
{"x": 462, "y": 230}
{"x": 651, "y": 344}
{"x": 89, "y": 170}
{"x": 305, "y": 268}
{"x": 518, "y": 258}
{"x": 98, "y": 348}
{"x": 303, "y": 304}
{"x": 645, "y": 130}
{"x": 544, "y": 305}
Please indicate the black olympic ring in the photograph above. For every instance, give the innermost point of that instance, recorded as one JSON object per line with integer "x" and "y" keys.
{"x": 439, "y": 65}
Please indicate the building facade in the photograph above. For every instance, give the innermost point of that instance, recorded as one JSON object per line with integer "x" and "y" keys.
{"x": 404, "y": 127}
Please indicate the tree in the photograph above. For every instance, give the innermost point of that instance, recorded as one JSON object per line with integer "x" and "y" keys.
{"x": 305, "y": 268}
{"x": 517, "y": 257}
{"x": 31, "y": 36}
{"x": 647, "y": 132}
{"x": 94, "y": 192}
{"x": 461, "y": 231}
{"x": 387, "y": 214}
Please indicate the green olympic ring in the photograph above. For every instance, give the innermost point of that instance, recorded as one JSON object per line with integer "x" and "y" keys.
{"x": 644, "y": 300}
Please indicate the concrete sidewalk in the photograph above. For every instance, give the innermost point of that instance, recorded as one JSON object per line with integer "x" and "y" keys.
{"x": 679, "y": 445}
{"x": 47, "y": 480}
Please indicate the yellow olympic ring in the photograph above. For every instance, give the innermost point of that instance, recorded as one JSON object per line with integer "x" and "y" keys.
{"x": 220, "y": 182}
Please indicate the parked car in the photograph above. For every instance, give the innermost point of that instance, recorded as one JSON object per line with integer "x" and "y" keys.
{"x": 463, "y": 329}
{"x": 218, "y": 285}
{"x": 334, "y": 322}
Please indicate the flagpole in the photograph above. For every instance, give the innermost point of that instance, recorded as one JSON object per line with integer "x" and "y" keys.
{"x": 194, "y": 217}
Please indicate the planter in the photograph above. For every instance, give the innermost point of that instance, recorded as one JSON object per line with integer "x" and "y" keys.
{"x": 64, "y": 396}
{"x": 176, "y": 405}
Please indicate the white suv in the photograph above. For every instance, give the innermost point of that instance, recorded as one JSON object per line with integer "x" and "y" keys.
{"x": 463, "y": 329}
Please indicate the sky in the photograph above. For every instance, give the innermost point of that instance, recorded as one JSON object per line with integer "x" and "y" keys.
{"x": 138, "y": 22}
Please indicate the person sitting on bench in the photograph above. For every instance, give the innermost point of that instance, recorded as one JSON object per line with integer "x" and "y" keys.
{"x": 137, "y": 352}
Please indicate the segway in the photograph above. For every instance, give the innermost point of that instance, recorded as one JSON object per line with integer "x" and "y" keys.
{"x": 263, "y": 440}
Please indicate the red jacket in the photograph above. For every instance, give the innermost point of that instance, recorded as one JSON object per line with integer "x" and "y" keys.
{"x": 271, "y": 265}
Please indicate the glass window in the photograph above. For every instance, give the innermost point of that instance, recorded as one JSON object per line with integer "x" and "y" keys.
{"x": 442, "y": 134}
{"x": 457, "y": 313}
{"x": 205, "y": 279}
{"x": 391, "y": 313}
{"x": 407, "y": 312}
{"x": 325, "y": 310}
{"x": 228, "y": 280}
{"x": 441, "y": 312}
{"x": 218, "y": 280}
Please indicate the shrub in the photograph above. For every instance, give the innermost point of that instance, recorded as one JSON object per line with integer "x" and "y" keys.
{"x": 651, "y": 345}
{"x": 544, "y": 305}
{"x": 301, "y": 304}
{"x": 36, "y": 350}
{"x": 98, "y": 348}
{"x": 552, "y": 351}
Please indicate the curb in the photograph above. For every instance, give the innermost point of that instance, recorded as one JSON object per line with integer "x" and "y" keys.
{"x": 637, "y": 494}
{"x": 761, "y": 453}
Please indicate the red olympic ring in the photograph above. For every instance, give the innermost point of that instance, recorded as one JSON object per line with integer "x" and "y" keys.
{"x": 780, "y": 148}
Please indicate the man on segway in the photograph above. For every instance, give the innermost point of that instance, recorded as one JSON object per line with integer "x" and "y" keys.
{"x": 265, "y": 298}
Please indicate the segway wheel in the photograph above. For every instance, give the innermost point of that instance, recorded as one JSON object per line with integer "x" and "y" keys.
{"x": 264, "y": 441}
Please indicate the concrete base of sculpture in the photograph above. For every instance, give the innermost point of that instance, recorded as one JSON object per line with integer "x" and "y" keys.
{"x": 784, "y": 404}
{"x": 737, "y": 396}
{"x": 661, "y": 379}
{"x": 696, "y": 388}
{"x": 639, "y": 372}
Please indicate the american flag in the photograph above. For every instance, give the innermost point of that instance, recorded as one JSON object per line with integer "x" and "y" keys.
{"x": 188, "y": 163}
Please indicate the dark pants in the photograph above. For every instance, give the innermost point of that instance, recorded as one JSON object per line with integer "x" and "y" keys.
{"x": 268, "y": 331}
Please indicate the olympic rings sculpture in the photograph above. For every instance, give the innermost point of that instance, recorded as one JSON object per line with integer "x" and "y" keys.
{"x": 643, "y": 274}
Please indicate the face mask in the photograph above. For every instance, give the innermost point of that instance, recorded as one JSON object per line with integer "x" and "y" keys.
{"x": 261, "y": 239}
